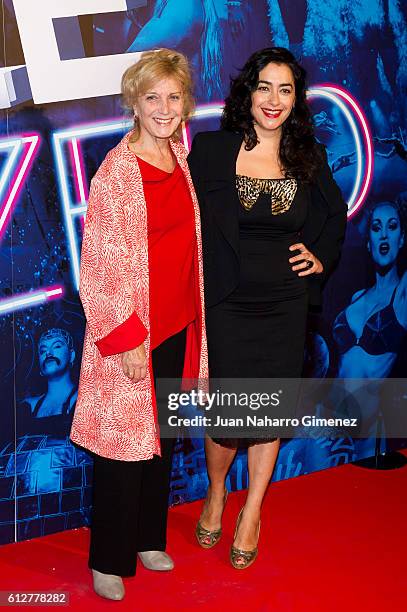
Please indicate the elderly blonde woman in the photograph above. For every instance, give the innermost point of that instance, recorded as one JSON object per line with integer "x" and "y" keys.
{"x": 142, "y": 291}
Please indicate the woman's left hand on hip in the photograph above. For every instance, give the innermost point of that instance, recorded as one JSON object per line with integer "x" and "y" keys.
{"x": 308, "y": 263}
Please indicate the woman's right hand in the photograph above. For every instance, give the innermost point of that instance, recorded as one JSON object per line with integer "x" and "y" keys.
{"x": 134, "y": 363}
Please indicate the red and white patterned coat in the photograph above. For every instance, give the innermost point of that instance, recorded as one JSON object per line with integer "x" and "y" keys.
{"x": 114, "y": 416}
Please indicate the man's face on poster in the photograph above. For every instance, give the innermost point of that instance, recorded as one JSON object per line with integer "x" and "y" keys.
{"x": 55, "y": 356}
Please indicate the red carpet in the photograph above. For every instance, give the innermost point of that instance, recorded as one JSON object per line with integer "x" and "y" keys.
{"x": 333, "y": 540}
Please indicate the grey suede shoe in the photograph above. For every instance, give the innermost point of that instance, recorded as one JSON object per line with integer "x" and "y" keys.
{"x": 156, "y": 560}
{"x": 108, "y": 585}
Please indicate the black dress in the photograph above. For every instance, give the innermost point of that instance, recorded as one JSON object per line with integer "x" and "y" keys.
{"x": 258, "y": 331}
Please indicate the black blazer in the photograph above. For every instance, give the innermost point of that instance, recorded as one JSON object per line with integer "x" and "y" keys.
{"x": 212, "y": 162}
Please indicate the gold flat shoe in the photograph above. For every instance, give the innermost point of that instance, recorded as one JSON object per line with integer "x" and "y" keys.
{"x": 248, "y": 556}
{"x": 205, "y": 537}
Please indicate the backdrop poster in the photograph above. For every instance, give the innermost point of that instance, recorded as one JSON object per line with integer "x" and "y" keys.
{"x": 60, "y": 72}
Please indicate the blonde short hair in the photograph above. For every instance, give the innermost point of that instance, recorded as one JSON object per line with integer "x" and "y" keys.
{"x": 154, "y": 66}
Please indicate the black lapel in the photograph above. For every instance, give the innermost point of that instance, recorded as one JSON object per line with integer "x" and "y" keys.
{"x": 220, "y": 186}
{"x": 316, "y": 216}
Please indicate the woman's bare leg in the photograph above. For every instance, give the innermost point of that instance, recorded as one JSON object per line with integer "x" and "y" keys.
{"x": 218, "y": 461}
{"x": 261, "y": 461}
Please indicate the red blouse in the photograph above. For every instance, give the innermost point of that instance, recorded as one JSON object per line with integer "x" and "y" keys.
{"x": 171, "y": 245}
{"x": 172, "y": 266}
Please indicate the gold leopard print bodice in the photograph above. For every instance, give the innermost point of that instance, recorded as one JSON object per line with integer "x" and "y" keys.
{"x": 282, "y": 192}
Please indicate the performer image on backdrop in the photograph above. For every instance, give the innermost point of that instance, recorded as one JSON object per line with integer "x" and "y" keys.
{"x": 273, "y": 221}
{"x": 398, "y": 146}
{"x": 370, "y": 331}
{"x": 141, "y": 287}
{"x": 51, "y": 412}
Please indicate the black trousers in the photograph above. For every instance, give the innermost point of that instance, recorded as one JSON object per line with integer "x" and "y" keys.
{"x": 130, "y": 498}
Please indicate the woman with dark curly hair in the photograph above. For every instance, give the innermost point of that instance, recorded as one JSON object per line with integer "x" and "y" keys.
{"x": 273, "y": 220}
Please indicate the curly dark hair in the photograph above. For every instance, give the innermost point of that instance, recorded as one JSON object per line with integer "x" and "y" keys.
{"x": 299, "y": 152}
